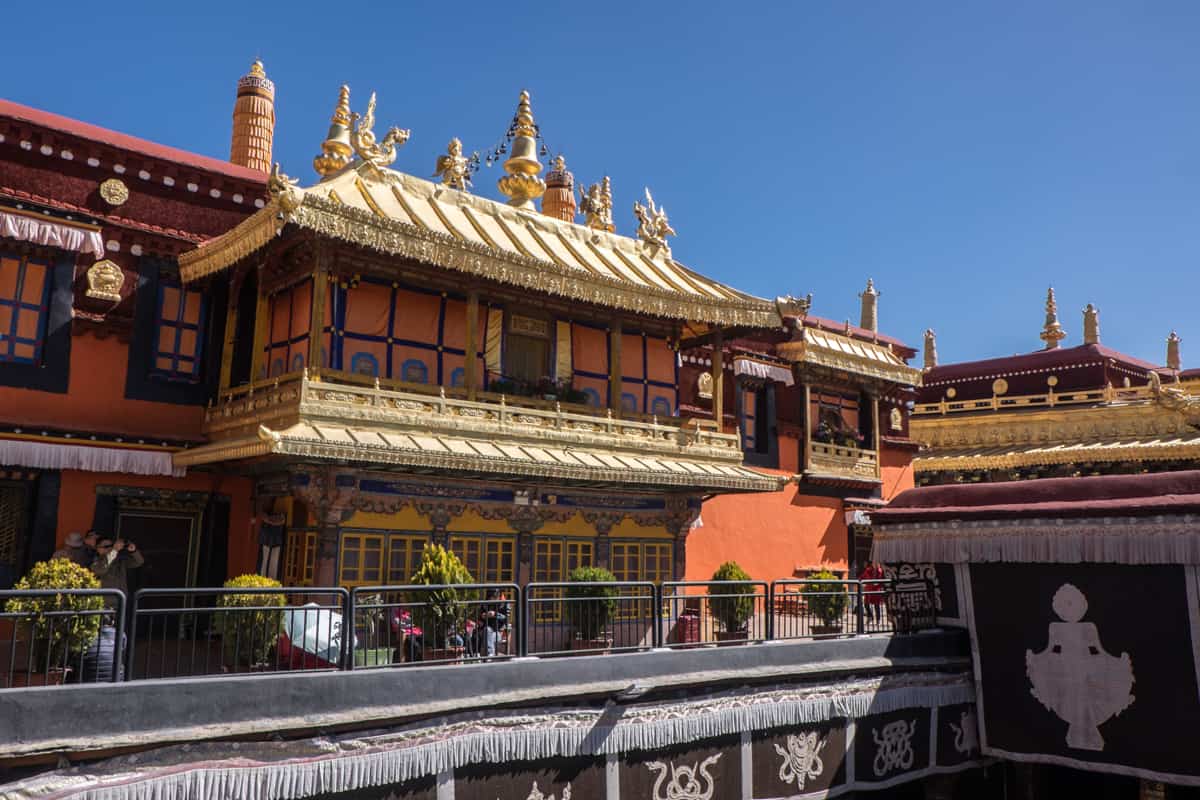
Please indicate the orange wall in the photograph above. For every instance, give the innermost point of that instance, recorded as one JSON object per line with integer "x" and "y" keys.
{"x": 95, "y": 399}
{"x": 77, "y": 504}
{"x": 771, "y": 535}
{"x": 897, "y": 472}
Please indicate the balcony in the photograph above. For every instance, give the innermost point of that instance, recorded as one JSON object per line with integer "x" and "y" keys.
{"x": 841, "y": 462}
{"x": 408, "y": 425}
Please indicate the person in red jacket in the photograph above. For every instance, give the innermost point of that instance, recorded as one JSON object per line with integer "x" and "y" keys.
{"x": 872, "y": 575}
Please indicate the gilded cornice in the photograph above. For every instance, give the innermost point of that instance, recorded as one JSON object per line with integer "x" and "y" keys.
{"x": 330, "y": 218}
{"x": 801, "y": 352}
{"x": 1005, "y": 440}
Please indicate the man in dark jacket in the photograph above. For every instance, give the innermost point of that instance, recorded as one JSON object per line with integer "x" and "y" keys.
{"x": 113, "y": 562}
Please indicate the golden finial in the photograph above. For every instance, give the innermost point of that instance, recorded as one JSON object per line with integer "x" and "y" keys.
{"x": 559, "y": 199}
{"x": 653, "y": 226}
{"x": 375, "y": 152}
{"x": 869, "y": 318}
{"x": 1173, "y": 360}
{"x": 521, "y": 184}
{"x": 336, "y": 149}
{"x": 257, "y": 70}
{"x": 454, "y": 168}
{"x": 930, "y": 349}
{"x": 1091, "y": 325}
{"x": 1052, "y": 332}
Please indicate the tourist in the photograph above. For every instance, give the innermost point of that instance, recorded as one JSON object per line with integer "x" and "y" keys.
{"x": 113, "y": 562}
{"x": 872, "y": 592}
{"x": 75, "y": 549}
{"x": 493, "y": 617}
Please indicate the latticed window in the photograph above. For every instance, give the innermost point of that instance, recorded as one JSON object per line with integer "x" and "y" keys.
{"x": 553, "y": 561}
{"x": 299, "y": 558}
{"x": 489, "y": 559}
{"x": 640, "y": 561}
{"x": 404, "y": 557}
{"x": 24, "y": 298}
{"x": 361, "y": 559}
{"x": 179, "y": 332}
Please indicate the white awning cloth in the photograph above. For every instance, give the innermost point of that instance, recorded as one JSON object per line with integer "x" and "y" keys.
{"x": 758, "y": 369}
{"x": 47, "y": 455}
{"x": 51, "y": 232}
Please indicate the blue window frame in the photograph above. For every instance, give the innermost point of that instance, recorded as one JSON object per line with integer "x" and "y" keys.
{"x": 414, "y": 371}
{"x": 364, "y": 364}
{"x": 179, "y": 333}
{"x": 661, "y": 407}
{"x": 24, "y": 297}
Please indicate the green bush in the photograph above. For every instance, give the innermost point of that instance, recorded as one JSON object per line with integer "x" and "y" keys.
{"x": 589, "y": 608}
{"x": 55, "y": 636}
{"x": 249, "y": 636}
{"x": 825, "y": 601}
{"x": 732, "y": 612}
{"x": 440, "y": 611}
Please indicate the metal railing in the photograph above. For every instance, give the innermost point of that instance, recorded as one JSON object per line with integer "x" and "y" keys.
{"x": 181, "y": 633}
{"x": 48, "y": 637}
{"x": 697, "y": 613}
{"x": 420, "y": 624}
{"x": 582, "y": 618}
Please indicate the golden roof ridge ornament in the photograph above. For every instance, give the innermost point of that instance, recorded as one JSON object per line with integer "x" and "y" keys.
{"x": 377, "y": 154}
{"x": 869, "y": 317}
{"x": 521, "y": 185}
{"x": 454, "y": 168}
{"x": 1174, "y": 362}
{"x": 930, "y": 349}
{"x": 282, "y": 190}
{"x": 336, "y": 149}
{"x": 1091, "y": 324}
{"x": 597, "y": 205}
{"x": 1052, "y": 332}
{"x": 789, "y": 306}
{"x": 653, "y": 226}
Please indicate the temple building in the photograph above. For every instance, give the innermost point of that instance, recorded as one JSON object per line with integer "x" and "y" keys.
{"x": 1055, "y": 412}
{"x": 821, "y": 403}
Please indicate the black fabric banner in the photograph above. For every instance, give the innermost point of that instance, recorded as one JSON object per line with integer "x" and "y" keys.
{"x": 957, "y": 735}
{"x": 791, "y": 761}
{"x": 709, "y": 769}
{"x": 886, "y": 746}
{"x": 556, "y": 778}
{"x": 1088, "y": 664}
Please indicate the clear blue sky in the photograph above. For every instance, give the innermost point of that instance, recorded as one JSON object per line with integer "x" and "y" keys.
{"x": 965, "y": 155}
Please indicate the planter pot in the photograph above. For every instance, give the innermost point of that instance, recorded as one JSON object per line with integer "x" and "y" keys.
{"x": 826, "y": 631}
{"x": 453, "y": 655}
{"x": 728, "y": 638}
{"x": 55, "y": 677}
{"x": 601, "y": 646}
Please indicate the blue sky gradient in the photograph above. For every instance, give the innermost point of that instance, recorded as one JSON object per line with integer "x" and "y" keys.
{"x": 963, "y": 154}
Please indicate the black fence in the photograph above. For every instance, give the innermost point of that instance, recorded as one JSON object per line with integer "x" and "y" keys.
{"x": 51, "y": 637}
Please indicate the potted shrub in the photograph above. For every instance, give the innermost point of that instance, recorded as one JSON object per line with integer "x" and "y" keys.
{"x": 826, "y": 602}
{"x": 731, "y": 602}
{"x": 440, "y": 613}
{"x": 590, "y": 607}
{"x": 55, "y": 639}
{"x": 248, "y": 637}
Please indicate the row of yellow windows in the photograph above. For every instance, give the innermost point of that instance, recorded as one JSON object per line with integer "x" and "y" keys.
{"x": 375, "y": 559}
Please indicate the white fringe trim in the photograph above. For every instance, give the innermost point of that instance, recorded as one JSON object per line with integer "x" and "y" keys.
{"x": 1171, "y": 539}
{"x": 284, "y": 770}
{"x": 44, "y": 455}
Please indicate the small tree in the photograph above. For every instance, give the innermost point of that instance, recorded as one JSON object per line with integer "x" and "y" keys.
{"x": 589, "y": 608}
{"x": 731, "y": 604}
{"x": 827, "y": 601}
{"x": 56, "y": 635}
{"x": 248, "y": 637}
{"x": 440, "y": 610}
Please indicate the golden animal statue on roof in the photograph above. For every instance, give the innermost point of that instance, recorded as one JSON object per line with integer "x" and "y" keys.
{"x": 282, "y": 189}
{"x": 376, "y": 153}
{"x": 596, "y": 205}
{"x": 454, "y": 168}
{"x": 653, "y": 226}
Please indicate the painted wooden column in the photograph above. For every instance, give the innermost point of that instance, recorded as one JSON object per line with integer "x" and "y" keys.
{"x": 524, "y": 520}
{"x": 471, "y": 369}
{"x": 615, "y": 335}
{"x": 718, "y": 378}
{"x": 875, "y": 424}
{"x": 320, "y": 291}
{"x": 809, "y": 421}
{"x": 227, "y": 343}
{"x": 262, "y": 312}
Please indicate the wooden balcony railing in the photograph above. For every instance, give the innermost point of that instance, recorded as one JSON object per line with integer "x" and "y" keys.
{"x": 297, "y": 398}
{"x": 840, "y": 461}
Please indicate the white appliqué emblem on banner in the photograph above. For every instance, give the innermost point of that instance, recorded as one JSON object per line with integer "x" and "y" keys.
{"x": 801, "y": 759}
{"x": 535, "y": 793}
{"x": 684, "y": 785}
{"x": 893, "y": 747}
{"x": 966, "y": 733}
{"x": 1074, "y": 677}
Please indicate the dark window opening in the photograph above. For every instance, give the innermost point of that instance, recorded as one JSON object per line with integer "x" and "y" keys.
{"x": 243, "y": 335}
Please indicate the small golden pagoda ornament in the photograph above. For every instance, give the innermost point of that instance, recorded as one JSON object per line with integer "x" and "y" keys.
{"x": 521, "y": 185}
{"x": 1052, "y": 331}
{"x": 336, "y": 149}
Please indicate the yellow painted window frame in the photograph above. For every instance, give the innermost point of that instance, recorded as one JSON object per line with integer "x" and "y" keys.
{"x": 299, "y": 558}
{"x": 487, "y": 545}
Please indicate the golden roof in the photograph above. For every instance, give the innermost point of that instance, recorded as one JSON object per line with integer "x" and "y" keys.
{"x": 837, "y": 351}
{"x": 1163, "y": 448}
{"x": 410, "y": 217}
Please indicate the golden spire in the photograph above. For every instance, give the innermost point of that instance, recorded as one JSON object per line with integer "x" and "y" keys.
{"x": 1091, "y": 325}
{"x": 870, "y": 308}
{"x": 336, "y": 149}
{"x": 1052, "y": 332}
{"x": 253, "y": 120}
{"x": 522, "y": 185}
{"x": 1173, "y": 360}
{"x": 930, "y": 349}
